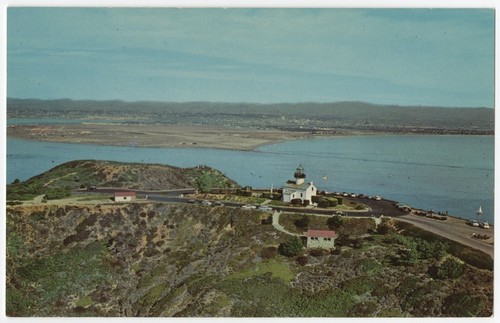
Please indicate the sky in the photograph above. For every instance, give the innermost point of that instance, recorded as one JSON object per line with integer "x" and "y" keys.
{"x": 428, "y": 57}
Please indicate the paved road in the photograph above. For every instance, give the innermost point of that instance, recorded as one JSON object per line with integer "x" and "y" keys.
{"x": 453, "y": 229}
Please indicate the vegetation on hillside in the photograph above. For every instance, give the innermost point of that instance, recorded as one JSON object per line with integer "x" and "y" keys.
{"x": 187, "y": 260}
{"x": 60, "y": 180}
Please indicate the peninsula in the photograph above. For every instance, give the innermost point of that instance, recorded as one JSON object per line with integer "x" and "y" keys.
{"x": 229, "y": 125}
{"x": 171, "y": 250}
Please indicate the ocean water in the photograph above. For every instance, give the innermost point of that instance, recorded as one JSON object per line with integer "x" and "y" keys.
{"x": 443, "y": 173}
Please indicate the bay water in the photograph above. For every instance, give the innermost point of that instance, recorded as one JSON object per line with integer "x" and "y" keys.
{"x": 443, "y": 173}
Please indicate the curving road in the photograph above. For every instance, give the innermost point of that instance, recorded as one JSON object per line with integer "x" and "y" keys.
{"x": 453, "y": 228}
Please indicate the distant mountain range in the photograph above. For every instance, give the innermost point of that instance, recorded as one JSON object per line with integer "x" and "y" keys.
{"x": 338, "y": 113}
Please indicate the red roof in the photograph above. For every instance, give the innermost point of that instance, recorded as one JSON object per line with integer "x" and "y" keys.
{"x": 321, "y": 233}
{"x": 124, "y": 193}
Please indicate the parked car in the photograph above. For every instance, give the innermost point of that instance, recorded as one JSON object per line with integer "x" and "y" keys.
{"x": 377, "y": 198}
{"x": 218, "y": 203}
{"x": 206, "y": 203}
{"x": 191, "y": 201}
{"x": 474, "y": 223}
{"x": 248, "y": 207}
{"x": 265, "y": 208}
{"x": 484, "y": 225}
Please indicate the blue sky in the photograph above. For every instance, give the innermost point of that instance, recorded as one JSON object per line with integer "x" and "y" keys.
{"x": 439, "y": 57}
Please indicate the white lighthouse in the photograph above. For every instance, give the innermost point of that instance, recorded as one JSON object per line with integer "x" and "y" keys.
{"x": 298, "y": 188}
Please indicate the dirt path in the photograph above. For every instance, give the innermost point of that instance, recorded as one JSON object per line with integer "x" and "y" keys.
{"x": 279, "y": 227}
{"x": 453, "y": 229}
{"x": 55, "y": 179}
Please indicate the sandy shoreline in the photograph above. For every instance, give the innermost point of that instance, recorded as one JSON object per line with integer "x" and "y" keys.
{"x": 158, "y": 136}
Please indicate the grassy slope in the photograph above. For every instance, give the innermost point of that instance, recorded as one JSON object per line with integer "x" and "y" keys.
{"x": 184, "y": 260}
{"x": 58, "y": 181}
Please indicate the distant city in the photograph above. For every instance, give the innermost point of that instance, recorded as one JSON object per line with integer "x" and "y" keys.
{"x": 314, "y": 118}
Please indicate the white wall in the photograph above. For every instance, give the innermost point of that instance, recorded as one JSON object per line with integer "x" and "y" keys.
{"x": 323, "y": 243}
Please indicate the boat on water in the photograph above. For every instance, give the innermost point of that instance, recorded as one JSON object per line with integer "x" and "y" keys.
{"x": 484, "y": 225}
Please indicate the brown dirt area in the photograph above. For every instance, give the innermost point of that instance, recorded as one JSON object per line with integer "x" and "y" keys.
{"x": 171, "y": 136}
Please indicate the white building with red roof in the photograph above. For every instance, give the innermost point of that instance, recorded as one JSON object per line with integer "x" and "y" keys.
{"x": 324, "y": 239}
{"x": 124, "y": 196}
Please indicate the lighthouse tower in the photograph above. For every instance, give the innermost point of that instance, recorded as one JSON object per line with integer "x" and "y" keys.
{"x": 299, "y": 175}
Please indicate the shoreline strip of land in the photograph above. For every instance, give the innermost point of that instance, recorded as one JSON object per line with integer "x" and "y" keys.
{"x": 155, "y": 136}
{"x": 171, "y": 136}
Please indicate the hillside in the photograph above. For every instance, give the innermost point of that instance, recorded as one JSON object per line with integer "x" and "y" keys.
{"x": 334, "y": 116}
{"x": 59, "y": 180}
{"x": 189, "y": 260}
{"x": 176, "y": 259}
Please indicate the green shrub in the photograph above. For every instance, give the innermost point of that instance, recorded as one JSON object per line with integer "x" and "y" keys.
{"x": 364, "y": 309}
{"x": 326, "y": 303}
{"x": 415, "y": 248}
{"x": 467, "y": 254}
{"x": 316, "y": 198}
{"x": 471, "y": 256}
{"x": 332, "y": 202}
{"x": 302, "y": 222}
{"x": 386, "y": 227}
{"x": 37, "y": 216}
{"x": 204, "y": 182}
{"x": 359, "y": 285}
{"x": 369, "y": 266}
{"x": 434, "y": 249}
{"x": 292, "y": 247}
{"x": 407, "y": 256}
{"x": 450, "y": 268}
{"x": 56, "y": 277}
{"x": 57, "y": 193}
{"x": 335, "y": 222}
{"x": 324, "y": 204}
{"x": 463, "y": 304}
{"x": 16, "y": 303}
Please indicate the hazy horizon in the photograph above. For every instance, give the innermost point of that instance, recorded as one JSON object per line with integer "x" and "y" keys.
{"x": 257, "y": 103}
{"x": 404, "y": 57}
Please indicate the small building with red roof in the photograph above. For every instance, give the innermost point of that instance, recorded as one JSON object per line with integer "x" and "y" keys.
{"x": 324, "y": 239}
{"x": 124, "y": 196}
